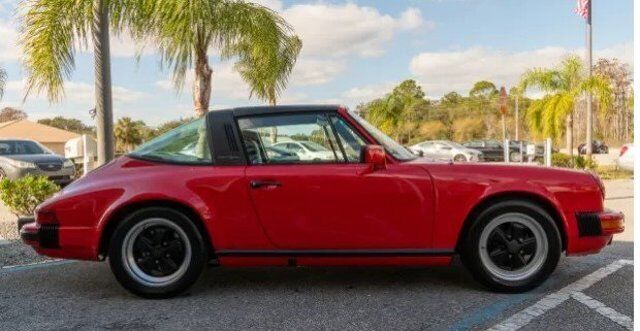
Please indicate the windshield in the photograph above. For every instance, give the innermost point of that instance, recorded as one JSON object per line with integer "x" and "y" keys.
{"x": 22, "y": 147}
{"x": 391, "y": 146}
{"x": 184, "y": 144}
{"x": 455, "y": 145}
{"x": 313, "y": 146}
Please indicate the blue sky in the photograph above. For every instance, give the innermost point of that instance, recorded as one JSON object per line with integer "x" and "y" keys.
{"x": 353, "y": 51}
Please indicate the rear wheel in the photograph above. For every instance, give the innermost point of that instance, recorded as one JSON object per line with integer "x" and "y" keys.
{"x": 512, "y": 247}
{"x": 157, "y": 253}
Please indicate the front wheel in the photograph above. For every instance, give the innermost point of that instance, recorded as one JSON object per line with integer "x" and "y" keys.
{"x": 513, "y": 246}
{"x": 460, "y": 158}
{"x": 157, "y": 253}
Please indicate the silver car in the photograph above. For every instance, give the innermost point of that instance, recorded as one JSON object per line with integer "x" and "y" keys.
{"x": 446, "y": 150}
{"x": 20, "y": 157}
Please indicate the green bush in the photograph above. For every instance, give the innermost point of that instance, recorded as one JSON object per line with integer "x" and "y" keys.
{"x": 579, "y": 162}
{"x": 23, "y": 195}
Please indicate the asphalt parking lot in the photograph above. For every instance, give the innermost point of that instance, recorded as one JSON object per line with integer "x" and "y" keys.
{"x": 585, "y": 293}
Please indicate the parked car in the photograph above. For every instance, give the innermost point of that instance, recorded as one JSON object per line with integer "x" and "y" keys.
{"x": 446, "y": 150}
{"x": 280, "y": 155}
{"x": 20, "y": 157}
{"x": 159, "y": 215}
{"x": 493, "y": 150}
{"x": 306, "y": 150}
{"x": 626, "y": 157}
{"x": 597, "y": 147}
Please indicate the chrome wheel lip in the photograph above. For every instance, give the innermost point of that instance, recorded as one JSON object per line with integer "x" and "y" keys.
{"x": 128, "y": 258}
{"x": 534, "y": 265}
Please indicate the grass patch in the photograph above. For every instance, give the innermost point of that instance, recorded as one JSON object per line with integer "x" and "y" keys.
{"x": 613, "y": 172}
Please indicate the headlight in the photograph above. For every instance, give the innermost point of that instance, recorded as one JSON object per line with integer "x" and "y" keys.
{"x": 68, "y": 164}
{"x": 21, "y": 164}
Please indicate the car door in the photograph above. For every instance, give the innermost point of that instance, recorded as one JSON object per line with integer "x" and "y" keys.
{"x": 338, "y": 204}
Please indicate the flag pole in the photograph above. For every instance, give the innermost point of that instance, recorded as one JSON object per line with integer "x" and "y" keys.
{"x": 589, "y": 136}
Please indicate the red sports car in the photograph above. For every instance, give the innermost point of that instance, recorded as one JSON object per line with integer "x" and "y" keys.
{"x": 335, "y": 191}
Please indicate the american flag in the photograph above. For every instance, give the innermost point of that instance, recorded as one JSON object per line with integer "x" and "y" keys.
{"x": 582, "y": 8}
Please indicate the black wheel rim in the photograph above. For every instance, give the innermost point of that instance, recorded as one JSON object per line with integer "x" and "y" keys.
{"x": 511, "y": 246}
{"x": 159, "y": 251}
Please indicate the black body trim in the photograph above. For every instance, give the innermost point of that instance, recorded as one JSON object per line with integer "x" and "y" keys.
{"x": 46, "y": 237}
{"x": 335, "y": 252}
{"x": 588, "y": 224}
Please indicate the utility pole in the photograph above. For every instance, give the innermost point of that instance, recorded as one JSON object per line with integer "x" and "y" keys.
{"x": 104, "y": 111}
{"x": 590, "y": 71}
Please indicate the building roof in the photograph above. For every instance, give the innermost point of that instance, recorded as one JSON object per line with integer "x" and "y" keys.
{"x": 25, "y": 129}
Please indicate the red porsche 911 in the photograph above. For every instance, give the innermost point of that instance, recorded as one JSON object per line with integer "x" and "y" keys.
{"x": 315, "y": 186}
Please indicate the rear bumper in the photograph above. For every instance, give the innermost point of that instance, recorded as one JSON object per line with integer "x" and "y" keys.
{"x": 61, "y": 242}
{"x": 40, "y": 236}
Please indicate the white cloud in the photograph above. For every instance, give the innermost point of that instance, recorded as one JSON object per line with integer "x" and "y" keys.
{"x": 442, "y": 72}
{"x": 348, "y": 29}
{"x": 272, "y": 4}
{"x": 316, "y": 71}
{"x": 9, "y": 50}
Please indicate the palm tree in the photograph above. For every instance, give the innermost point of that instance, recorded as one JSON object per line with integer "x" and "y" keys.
{"x": 50, "y": 33}
{"x": 185, "y": 31}
{"x": 128, "y": 133}
{"x": 267, "y": 72}
{"x": 553, "y": 115}
{"x": 3, "y": 81}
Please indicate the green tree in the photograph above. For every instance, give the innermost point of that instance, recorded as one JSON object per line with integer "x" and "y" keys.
{"x": 468, "y": 128}
{"x": 128, "y": 133}
{"x": 168, "y": 126}
{"x": 11, "y": 114}
{"x": 399, "y": 113}
{"x": 185, "y": 32}
{"x": 69, "y": 124}
{"x": 552, "y": 115}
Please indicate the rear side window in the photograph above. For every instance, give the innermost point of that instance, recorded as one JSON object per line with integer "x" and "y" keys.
{"x": 186, "y": 144}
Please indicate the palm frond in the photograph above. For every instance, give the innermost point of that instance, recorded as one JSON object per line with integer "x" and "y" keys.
{"x": 51, "y": 31}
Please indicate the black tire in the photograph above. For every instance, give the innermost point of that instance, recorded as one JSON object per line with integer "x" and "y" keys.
{"x": 470, "y": 248}
{"x": 460, "y": 158}
{"x": 193, "y": 265}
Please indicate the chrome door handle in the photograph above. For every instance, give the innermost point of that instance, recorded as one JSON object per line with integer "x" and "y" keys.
{"x": 264, "y": 183}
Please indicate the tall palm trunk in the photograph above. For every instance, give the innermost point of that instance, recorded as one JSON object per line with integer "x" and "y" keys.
{"x": 202, "y": 82}
{"x": 104, "y": 111}
{"x": 569, "y": 134}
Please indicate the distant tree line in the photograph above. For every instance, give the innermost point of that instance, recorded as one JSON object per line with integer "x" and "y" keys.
{"x": 408, "y": 116}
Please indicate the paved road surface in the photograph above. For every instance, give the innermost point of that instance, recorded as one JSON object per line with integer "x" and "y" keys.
{"x": 584, "y": 293}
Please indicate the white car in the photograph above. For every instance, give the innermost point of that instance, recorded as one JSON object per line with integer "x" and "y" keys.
{"x": 306, "y": 150}
{"x": 625, "y": 160}
{"x": 446, "y": 150}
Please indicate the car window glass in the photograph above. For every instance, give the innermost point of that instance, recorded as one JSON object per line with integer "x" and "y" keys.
{"x": 350, "y": 140}
{"x": 21, "y": 147}
{"x": 307, "y": 138}
{"x": 185, "y": 144}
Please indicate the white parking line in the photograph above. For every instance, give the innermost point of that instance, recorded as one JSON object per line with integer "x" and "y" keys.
{"x": 552, "y": 300}
{"x": 605, "y": 311}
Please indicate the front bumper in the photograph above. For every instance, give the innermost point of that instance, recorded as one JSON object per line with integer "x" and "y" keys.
{"x": 605, "y": 223}
{"x": 40, "y": 236}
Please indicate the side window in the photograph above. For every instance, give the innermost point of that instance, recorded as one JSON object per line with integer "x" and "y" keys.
{"x": 350, "y": 140}
{"x": 279, "y": 139}
{"x": 185, "y": 144}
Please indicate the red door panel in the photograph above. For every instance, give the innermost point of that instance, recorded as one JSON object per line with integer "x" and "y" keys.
{"x": 343, "y": 206}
